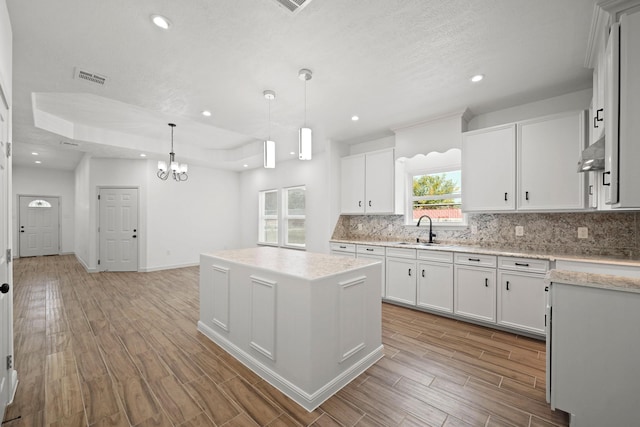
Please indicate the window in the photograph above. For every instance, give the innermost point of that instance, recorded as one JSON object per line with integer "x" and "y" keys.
{"x": 294, "y": 216}
{"x": 39, "y": 204}
{"x": 285, "y": 228}
{"x": 438, "y": 195}
{"x": 268, "y": 225}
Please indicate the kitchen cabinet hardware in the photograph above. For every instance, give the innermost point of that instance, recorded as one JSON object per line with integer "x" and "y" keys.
{"x": 546, "y": 289}
{"x": 343, "y": 247}
{"x": 369, "y": 203}
{"x": 486, "y": 282}
{"x": 409, "y": 272}
{"x": 369, "y": 249}
{"x": 4, "y": 288}
{"x": 422, "y": 272}
{"x": 507, "y": 285}
{"x": 359, "y": 203}
{"x": 597, "y": 117}
{"x": 603, "y": 174}
{"x": 505, "y": 197}
{"x": 474, "y": 259}
{"x": 526, "y": 195}
{"x": 522, "y": 264}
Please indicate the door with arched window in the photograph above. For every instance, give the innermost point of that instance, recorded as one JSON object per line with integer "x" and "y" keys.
{"x": 39, "y": 226}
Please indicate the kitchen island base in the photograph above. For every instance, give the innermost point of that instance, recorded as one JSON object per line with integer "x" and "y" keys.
{"x": 306, "y": 323}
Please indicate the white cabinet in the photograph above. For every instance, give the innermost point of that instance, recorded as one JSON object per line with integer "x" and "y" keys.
{"x": 343, "y": 249}
{"x": 597, "y": 112}
{"x": 548, "y": 149}
{"x": 475, "y": 287}
{"x": 376, "y": 253}
{"x": 435, "y": 280}
{"x": 488, "y": 169}
{"x": 401, "y": 280}
{"x": 368, "y": 182}
{"x": 542, "y": 151}
{"x": 521, "y": 301}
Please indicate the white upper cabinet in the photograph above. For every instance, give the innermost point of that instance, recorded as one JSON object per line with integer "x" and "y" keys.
{"x": 488, "y": 169}
{"x": 548, "y": 150}
{"x": 544, "y": 153}
{"x": 368, "y": 182}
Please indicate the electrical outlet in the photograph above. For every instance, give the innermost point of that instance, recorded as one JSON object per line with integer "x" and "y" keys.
{"x": 474, "y": 229}
{"x": 359, "y": 227}
{"x": 583, "y": 233}
{"x": 519, "y": 231}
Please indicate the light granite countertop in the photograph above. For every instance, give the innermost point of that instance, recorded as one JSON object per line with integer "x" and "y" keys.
{"x": 602, "y": 281}
{"x": 511, "y": 252}
{"x": 306, "y": 265}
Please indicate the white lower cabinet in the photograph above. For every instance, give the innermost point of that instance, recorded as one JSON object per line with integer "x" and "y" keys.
{"x": 376, "y": 253}
{"x": 401, "y": 275}
{"x": 435, "y": 281}
{"x": 401, "y": 280}
{"x": 475, "y": 292}
{"x": 521, "y": 301}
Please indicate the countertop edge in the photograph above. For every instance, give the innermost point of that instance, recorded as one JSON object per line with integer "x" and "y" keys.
{"x": 591, "y": 280}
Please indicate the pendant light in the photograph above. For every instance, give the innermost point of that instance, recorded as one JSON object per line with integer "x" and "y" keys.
{"x": 178, "y": 170}
{"x": 304, "y": 133}
{"x": 269, "y": 145}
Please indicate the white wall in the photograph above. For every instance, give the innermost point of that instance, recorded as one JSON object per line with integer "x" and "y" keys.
{"x": 6, "y": 49}
{"x": 579, "y": 100}
{"x": 314, "y": 175}
{"x": 192, "y": 217}
{"x": 28, "y": 181}
{"x": 82, "y": 211}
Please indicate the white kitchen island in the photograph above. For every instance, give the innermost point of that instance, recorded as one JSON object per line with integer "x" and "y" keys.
{"x": 307, "y": 323}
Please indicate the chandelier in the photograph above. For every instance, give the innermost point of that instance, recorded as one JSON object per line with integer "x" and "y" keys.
{"x": 178, "y": 170}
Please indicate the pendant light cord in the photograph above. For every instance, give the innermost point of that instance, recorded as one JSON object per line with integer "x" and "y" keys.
{"x": 305, "y": 103}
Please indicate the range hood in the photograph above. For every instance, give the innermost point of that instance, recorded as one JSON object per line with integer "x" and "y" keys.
{"x": 592, "y": 157}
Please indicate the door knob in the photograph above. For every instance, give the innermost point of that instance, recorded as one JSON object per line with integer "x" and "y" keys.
{"x": 4, "y": 288}
{"x": 134, "y": 236}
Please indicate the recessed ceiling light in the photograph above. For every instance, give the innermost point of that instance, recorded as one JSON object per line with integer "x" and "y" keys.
{"x": 477, "y": 78}
{"x": 143, "y": 155}
{"x": 206, "y": 113}
{"x": 245, "y": 166}
{"x": 161, "y": 21}
{"x": 34, "y": 154}
{"x": 355, "y": 118}
{"x": 38, "y": 162}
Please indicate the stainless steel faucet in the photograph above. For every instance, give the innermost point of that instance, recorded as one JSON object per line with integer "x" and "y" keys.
{"x": 431, "y": 235}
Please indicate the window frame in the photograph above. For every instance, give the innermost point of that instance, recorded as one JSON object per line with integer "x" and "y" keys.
{"x": 282, "y": 216}
{"x": 286, "y": 217}
{"x": 410, "y": 198}
{"x": 262, "y": 217}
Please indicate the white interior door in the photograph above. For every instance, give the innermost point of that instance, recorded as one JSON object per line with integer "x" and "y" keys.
{"x": 6, "y": 295}
{"x": 118, "y": 229}
{"x": 39, "y": 226}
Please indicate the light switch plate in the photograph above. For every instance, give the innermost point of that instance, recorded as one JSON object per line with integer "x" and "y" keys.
{"x": 519, "y": 231}
{"x": 583, "y": 233}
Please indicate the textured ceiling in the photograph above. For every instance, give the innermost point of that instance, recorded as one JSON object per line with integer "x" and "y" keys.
{"x": 389, "y": 62}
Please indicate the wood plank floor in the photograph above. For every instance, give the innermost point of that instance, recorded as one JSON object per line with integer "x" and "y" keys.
{"x": 122, "y": 349}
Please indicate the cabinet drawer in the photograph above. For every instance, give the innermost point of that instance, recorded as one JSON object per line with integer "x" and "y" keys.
{"x": 438, "y": 256}
{"x": 523, "y": 264}
{"x": 401, "y": 253}
{"x": 475, "y": 259}
{"x": 343, "y": 247}
{"x": 370, "y": 250}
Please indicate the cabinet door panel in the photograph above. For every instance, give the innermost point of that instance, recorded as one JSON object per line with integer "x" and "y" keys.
{"x": 548, "y": 149}
{"x": 435, "y": 286}
{"x": 401, "y": 280}
{"x": 488, "y": 169}
{"x": 379, "y": 184}
{"x": 475, "y": 293}
{"x": 521, "y": 301}
{"x": 352, "y": 185}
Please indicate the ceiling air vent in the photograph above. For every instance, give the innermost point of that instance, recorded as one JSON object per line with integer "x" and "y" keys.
{"x": 293, "y": 6}
{"x": 88, "y": 76}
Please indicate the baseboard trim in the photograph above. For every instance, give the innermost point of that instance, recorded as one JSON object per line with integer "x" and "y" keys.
{"x": 308, "y": 401}
{"x": 169, "y": 267}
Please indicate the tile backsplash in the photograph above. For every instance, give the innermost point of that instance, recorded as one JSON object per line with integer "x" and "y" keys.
{"x": 609, "y": 233}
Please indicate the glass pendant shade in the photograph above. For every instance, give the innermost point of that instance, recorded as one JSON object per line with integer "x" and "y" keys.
{"x": 269, "y": 154}
{"x": 162, "y": 166}
{"x": 304, "y": 144}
